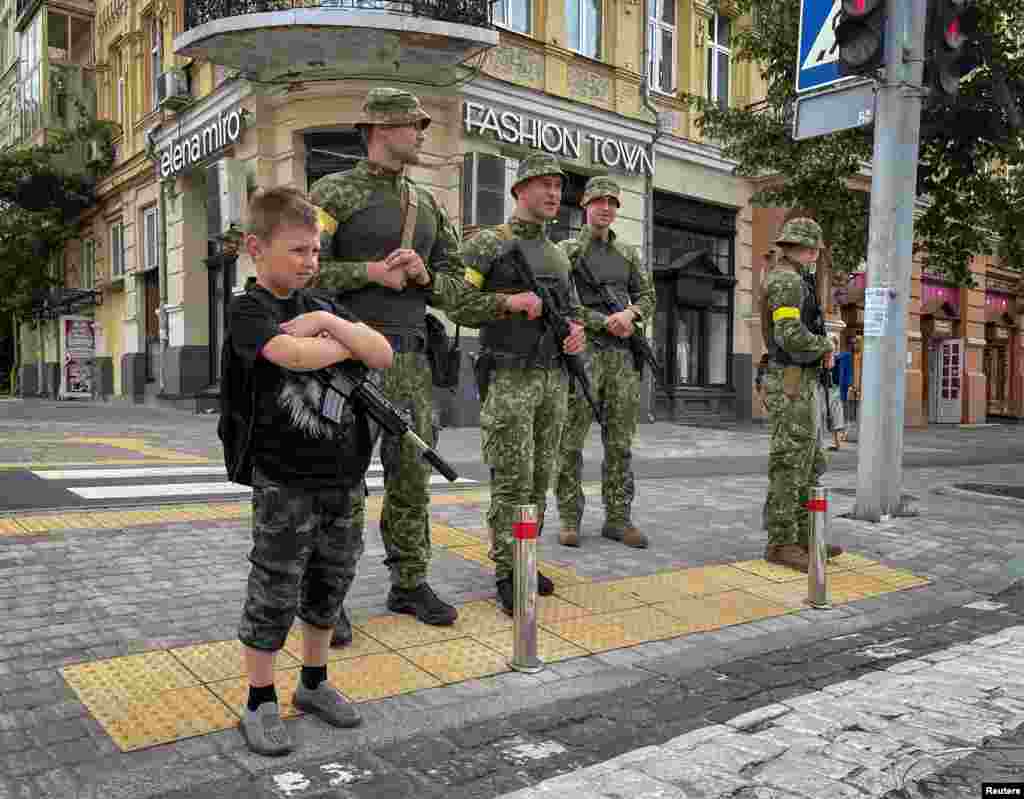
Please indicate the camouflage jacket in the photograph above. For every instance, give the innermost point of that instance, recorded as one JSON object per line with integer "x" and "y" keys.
{"x": 478, "y": 307}
{"x": 642, "y": 298}
{"x": 342, "y": 194}
{"x": 784, "y": 295}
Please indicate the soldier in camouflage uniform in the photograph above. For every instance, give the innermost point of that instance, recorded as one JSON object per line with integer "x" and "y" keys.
{"x": 524, "y": 387}
{"x": 389, "y": 287}
{"x": 792, "y": 387}
{"x": 614, "y": 374}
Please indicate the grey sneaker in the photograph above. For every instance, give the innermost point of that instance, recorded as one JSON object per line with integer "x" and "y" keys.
{"x": 264, "y": 731}
{"x": 326, "y": 702}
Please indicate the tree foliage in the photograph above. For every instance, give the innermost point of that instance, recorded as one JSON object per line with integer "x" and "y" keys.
{"x": 43, "y": 190}
{"x": 969, "y": 146}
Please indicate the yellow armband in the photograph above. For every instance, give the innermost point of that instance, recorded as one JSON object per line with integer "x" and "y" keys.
{"x": 474, "y": 278}
{"x": 786, "y": 312}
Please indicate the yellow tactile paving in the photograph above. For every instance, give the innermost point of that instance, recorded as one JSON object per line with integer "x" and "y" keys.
{"x": 599, "y": 597}
{"x": 105, "y": 682}
{"x": 458, "y": 660}
{"x": 480, "y": 618}
{"x": 10, "y": 527}
{"x": 561, "y": 574}
{"x": 721, "y": 610}
{"x": 361, "y": 644}
{"x": 770, "y": 571}
{"x": 399, "y": 632}
{"x": 139, "y": 446}
{"x": 377, "y": 676}
{"x": 550, "y": 647}
{"x": 444, "y": 536}
{"x": 554, "y": 608}
{"x": 160, "y": 696}
{"x": 220, "y": 660}
{"x": 235, "y": 693}
{"x": 165, "y": 717}
{"x": 851, "y": 560}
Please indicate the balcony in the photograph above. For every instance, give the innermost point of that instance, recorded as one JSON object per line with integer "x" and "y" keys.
{"x": 297, "y": 39}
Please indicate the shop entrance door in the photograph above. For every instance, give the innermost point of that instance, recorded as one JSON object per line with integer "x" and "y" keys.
{"x": 151, "y": 321}
{"x": 945, "y": 369}
{"x": 996, "y": 382}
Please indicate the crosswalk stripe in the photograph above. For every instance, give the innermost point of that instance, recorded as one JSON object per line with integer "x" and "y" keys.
{"x": 155, "y": 471}
{"x": 198, "y": 489}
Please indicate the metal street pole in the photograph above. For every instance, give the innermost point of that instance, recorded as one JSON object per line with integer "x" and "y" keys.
{"x": 890, "y": 254}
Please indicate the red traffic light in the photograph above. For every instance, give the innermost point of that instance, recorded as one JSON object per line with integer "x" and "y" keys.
{"x": 860, "y": 8}
{"x": 952, "y": 34}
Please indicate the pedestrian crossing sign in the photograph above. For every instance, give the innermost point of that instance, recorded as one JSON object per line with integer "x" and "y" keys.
{"x": 818, "y": 54}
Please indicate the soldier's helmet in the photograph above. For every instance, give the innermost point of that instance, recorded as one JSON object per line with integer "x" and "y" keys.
{"x": 387, "y": 106}
{"x": 600, "y": 186}
{"x": 536, "y": 166}
{"x": 801, "y": 231}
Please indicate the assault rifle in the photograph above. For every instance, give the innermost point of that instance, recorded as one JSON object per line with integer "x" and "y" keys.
{"x": 817, "y": 326}
{"x": 638, "y": 344}
{"x": 555, "y": 322}
{"x": 351, "y": 380}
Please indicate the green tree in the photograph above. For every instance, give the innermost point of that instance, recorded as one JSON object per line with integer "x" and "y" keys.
{"x": 967, "y": 145}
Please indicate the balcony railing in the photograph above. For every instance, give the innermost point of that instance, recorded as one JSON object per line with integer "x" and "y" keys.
{"x": 476, "y": 13}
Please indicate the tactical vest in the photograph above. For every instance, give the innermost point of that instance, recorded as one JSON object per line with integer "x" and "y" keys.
{"x": 372, "y": 233}
{"x": 611, "y": 269}
{"x": 522, "y": 337}
{"x": 810, "y": 317}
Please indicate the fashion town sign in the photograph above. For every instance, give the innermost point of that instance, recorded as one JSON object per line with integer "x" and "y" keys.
{"x": 513, "y": 128}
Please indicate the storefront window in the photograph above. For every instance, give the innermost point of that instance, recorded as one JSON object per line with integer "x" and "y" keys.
{"x": 570, "y": 219}
{"x": 335, "y": 151}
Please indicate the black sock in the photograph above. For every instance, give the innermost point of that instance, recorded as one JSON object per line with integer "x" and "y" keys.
{"x": 312, "y": 676}
{"x": 257, "y": 696}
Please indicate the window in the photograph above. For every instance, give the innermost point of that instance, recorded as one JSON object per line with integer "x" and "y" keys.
{"x": 156, "y": 57}
{"x": 30, "y": 75}
{"x": 117, "y": 249}
{"x": 151, "y": 232}
{"x": 718, "y": 60}
{"x": 88, "y": 264}
{"x": 513, "y": 14}
{"x": 570, "y": 219}
{"x": 583, "y": 20}
{"x": 661, "y": 32}
{"x": 120, "y": 66}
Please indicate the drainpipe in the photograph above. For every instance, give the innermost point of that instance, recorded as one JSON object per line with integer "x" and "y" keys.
{"x": 162, "y": 277}
{"x": 645, "y": 94}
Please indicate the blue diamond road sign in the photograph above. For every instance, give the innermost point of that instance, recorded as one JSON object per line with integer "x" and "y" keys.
{"x": 818, "y": 57}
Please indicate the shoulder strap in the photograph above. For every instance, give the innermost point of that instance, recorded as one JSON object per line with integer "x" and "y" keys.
{"x": 410, "y": 202}
{"x": 504, "y": 232}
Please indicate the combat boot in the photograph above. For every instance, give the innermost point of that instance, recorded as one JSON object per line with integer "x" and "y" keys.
{"x": 792, "y": 555}
{"x": 569, "y": 536}
{"x": 342, "y": 635}
{"x": 422, "y": 603}
{"x": 626, "y": 533}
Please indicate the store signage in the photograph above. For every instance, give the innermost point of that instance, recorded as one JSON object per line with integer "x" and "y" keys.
{"x": 564, "y": 141}
{"x": 187, "y": 151}
{"x": 78, "y": 343}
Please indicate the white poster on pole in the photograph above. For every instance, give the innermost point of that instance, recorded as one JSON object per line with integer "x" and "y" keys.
{"x": 78, "y": 348}
{"x": 876, "y": 311}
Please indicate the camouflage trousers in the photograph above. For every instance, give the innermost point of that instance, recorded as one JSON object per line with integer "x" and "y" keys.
{"x": 520, "y": 426}
{"x": 306, "y": 544}
{"x": 404, "y": 518}
{"x": 616, "y": 385}
{"x": 795, "y": 459}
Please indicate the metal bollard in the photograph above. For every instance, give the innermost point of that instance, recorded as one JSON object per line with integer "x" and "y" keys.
{"x": 524, "y": 641}
{"x": 817, "y": 577}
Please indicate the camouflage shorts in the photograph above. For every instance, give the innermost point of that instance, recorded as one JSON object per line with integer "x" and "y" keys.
{"x": 306, "y": 544}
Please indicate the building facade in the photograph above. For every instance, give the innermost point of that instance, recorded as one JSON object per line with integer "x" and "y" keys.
{"x": 211, "y": 108}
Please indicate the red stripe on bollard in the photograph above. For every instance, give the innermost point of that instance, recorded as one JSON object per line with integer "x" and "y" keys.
{"x": 524, "y": 530}
{"x": 816, "y": 505}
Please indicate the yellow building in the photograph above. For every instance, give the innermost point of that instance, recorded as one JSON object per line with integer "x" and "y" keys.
{"x": 214, "y": 103}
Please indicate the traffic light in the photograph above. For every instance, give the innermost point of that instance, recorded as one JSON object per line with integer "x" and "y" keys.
{"x": 860, "y": 35}
{"x": 950, "y": 22}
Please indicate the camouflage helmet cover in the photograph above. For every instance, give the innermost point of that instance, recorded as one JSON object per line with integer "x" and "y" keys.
{"x": 387, "y": 106}
{"x": 536, "y": 166}
{"x": 600, "y": 186}
{"x": 801, "y": 231}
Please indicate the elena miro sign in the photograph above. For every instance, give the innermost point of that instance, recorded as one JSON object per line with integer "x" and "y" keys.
{"x": 560, "y": 140}
{"x": 187, "y": 151}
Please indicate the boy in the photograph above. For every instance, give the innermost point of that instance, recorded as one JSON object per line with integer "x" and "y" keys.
{"x": 304, "y": 451}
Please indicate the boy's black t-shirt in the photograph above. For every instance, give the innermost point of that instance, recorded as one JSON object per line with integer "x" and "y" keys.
{"x": 293, "y": 442}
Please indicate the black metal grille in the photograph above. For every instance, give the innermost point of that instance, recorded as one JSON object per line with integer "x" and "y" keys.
{"x": 464, "y": 12}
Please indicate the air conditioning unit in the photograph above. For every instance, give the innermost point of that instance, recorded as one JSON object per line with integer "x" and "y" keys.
{"x": 172, "y": 90}
{"x": 486, "y": 181}
{"x": 225, "y": 190}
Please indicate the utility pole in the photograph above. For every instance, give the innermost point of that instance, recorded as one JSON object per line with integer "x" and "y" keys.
{"x": 890, "y": 264}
